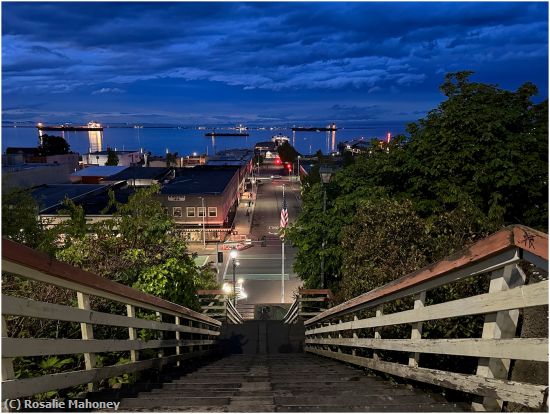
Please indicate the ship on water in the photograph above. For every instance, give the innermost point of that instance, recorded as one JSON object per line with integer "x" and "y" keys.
{"x": 280, "y": 139}
{"x": 92, "y": 126}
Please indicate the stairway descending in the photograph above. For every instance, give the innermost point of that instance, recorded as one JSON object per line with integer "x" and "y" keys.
{"x": 246, "y": 310}
{"x": 276, "y": 382}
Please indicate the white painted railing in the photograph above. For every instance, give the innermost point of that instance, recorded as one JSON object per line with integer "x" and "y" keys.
{"x": 308, "y": 303}
{"x": 352, "y": 332}
{"x": 217, "y": 304}
{"x": 195, "y": 334}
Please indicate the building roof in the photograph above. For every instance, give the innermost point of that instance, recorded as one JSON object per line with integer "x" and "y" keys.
{"x": 99, "y": 171}
{"x": 116, "y": 152}
{"x": 201, "y": 179}
{"x": 143, "y": 173}
{"x": 223, "y": 161}
{"x": 94, "y": 203}
{"x": 50, "y": 195}
{"x": 265, "y": 145}
{"x": 22, "y": 150}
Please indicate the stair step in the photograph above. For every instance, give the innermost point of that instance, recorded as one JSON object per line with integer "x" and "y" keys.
{"x": 368, "y": 408}
{"x": 282, "y": 383}
{"x": 150, "y": 403}
{"x": 379, "y": 399}
{"x": 201, "y": 385}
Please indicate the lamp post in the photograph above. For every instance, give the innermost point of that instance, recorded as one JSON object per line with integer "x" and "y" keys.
{"x": 233, "y": 254}
{"x": 298, "y": 173}
{"x": 203, "y": 224}
{"x": 325, "y": 172}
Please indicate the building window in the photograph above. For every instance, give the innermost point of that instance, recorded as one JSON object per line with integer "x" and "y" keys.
{"x": 190, "y": 211}
{"x": 176, "y": 211}
{"x": 166, "y": 210}
{"x": 212, "y": 212}
{"x": 201, "y": 211}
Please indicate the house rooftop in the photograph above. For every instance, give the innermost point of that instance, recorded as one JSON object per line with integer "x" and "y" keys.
{"x": 114, "y": 151}
{"x": 95, "y": 203}
{"x": 200, "y": 180}
{"x": 143, "y": 173}
{"x": 51, "y": 195}
{"x": 99, "y": 171}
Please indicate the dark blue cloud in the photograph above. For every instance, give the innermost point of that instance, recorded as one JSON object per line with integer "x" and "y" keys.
{"x": 188, "y": 62}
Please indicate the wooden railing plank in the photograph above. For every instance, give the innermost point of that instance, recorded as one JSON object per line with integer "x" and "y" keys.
{"x": 31, "y": 308}
{"x": 521, "y": 297}
{"x": 35, "y": 385}
{"x": 430, "y": 277}
{"x": 25, "y": 347}
{"x": 28, "y": 260}
{"x": 533, "y": 349}
{"x": 529, "y": 395}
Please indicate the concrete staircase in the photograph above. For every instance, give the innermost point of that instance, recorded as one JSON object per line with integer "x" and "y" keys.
{"x": 283, "y": 383}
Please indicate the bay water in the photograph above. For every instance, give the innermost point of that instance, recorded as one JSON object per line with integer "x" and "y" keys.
{"x": 186, "y": 141}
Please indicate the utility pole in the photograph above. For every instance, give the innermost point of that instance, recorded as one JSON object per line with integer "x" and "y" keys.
{"x": 283, "y": 258}
{"x": 203, "y": 223}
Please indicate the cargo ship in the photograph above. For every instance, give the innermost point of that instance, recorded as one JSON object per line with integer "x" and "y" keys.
{"x": 92, "y": 126}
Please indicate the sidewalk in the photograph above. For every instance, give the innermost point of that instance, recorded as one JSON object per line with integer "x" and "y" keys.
{"x": 242, "y": 222}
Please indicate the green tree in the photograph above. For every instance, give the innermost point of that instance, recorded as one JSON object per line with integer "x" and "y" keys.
{"x": 287, "y": 153}
{"x": 137, "y": 247}
{"x": 476, "y": 163}
{"x": 112, "y": 157}
{"x": 20, "y": 221}
{"x": 53, "y": 145}
{"x": 171, "y": 159}
{"x": 485, "y": 144}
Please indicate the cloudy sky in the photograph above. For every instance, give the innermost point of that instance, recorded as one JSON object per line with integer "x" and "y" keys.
{"x": 269, "y": 63}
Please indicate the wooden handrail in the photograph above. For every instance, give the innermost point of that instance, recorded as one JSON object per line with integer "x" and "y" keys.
{"x": 216, "y": 304}
{"x": 344, "y": 332}
{"x": 25, "y": 256}
{"x": 511, "y": 237}
{"x": 201, "y": 332}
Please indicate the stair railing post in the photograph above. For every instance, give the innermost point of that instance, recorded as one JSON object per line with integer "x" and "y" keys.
{"x": 191, "y": 336}
{"x": 379, "y": 313}
{"x": 132, "y": 332}
{"x": 178, "y": 338}
{"x": 340, "y": 336}
{"x": 416, "y": 330}
{"x": 7, "y": 363}
{"x": 355, "y": 336}
{"x": 160, "y": 336}
{"x": 499, "y": 325}
{"x": 87, "y": 332}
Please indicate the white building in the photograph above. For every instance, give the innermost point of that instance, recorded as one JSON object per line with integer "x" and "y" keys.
{"x": 125, "y": 158}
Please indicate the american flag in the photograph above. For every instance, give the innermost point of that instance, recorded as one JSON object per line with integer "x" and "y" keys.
{"x": 284, "y": 215}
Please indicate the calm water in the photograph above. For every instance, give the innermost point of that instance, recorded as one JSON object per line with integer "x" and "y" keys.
{"x": 187, "y": 141}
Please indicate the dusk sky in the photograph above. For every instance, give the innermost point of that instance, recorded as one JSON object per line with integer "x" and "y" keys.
{"x": 259, "y": 63}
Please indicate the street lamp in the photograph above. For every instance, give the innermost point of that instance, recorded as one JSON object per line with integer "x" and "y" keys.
{"x": 325, "y": 172}
{"x": 233, "y": 254}
{"x": 298, "y": 173}
{"x": 203, "y": 224}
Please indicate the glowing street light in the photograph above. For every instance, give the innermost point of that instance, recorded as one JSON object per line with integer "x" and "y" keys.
{"x": 233, "y": 254}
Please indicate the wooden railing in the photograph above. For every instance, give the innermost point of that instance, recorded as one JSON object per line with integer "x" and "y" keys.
{"x": 217, "y": 304}
{"x": 193, "y": 334}
{"x": 353, "y": 331}
{"x": 308, "y": 303}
